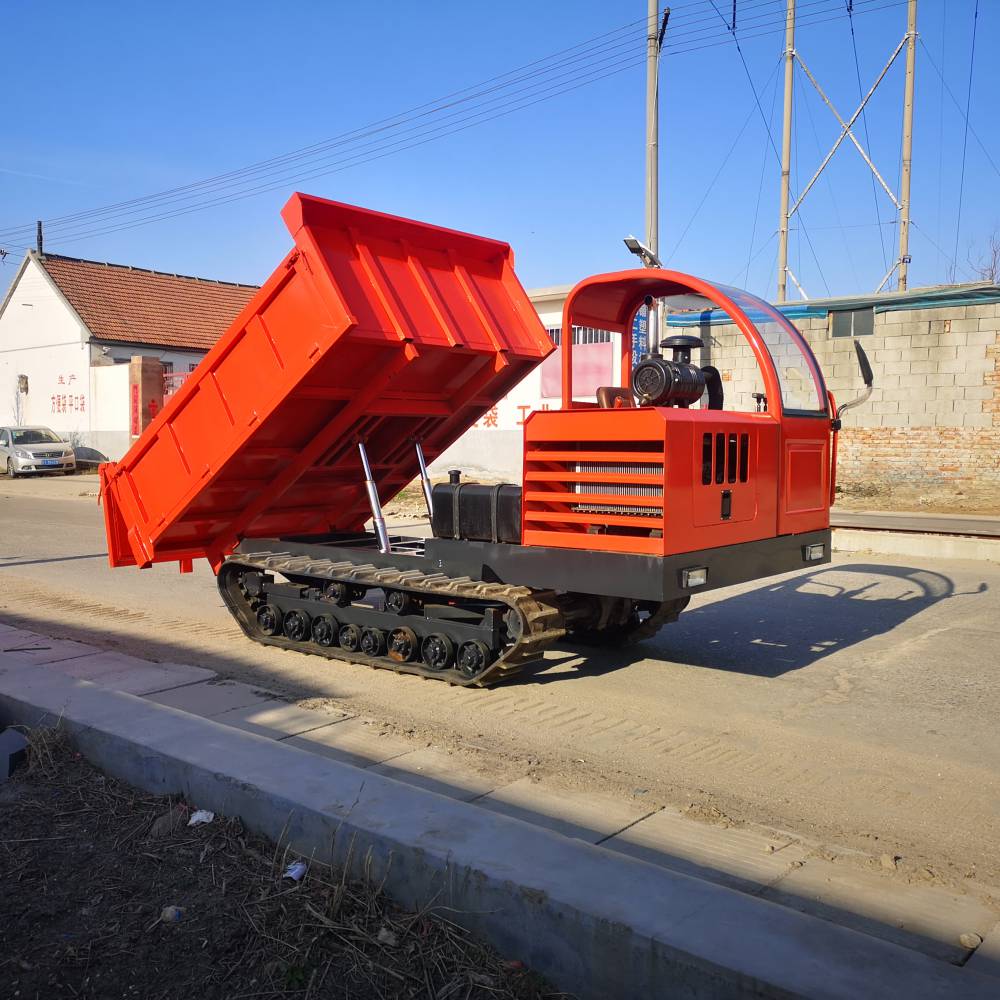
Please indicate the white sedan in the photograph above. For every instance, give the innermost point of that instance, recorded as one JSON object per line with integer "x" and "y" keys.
{"x": 26, "y": 450}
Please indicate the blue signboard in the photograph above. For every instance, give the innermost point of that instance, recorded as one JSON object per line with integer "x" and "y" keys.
{"x": 640, "y": 336}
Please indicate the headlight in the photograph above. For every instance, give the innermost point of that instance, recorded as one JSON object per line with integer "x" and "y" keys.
{"x": 22, "y": 454}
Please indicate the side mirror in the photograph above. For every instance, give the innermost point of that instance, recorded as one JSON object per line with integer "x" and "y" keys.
{"x": 866, "y": 376}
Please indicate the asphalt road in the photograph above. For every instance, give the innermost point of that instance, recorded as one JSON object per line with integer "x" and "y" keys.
{"x": 857, "y": 704}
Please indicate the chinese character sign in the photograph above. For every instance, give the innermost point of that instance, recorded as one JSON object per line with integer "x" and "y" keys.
{"x": 640, "y": 335}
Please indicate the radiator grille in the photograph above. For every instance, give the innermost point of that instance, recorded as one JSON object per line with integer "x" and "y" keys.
{"x": 602, "y": 487}
{"x": 620, "y": 489}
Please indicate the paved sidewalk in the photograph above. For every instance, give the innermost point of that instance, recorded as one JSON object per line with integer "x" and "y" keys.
{"x": 839, "y": 886}
{"x": 978, "y": 525}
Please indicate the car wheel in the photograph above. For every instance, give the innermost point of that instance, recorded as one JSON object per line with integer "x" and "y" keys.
{"x": 11, "y": 474}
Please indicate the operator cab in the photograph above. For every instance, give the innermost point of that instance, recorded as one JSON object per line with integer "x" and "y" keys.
{"x": 678, "y": 372}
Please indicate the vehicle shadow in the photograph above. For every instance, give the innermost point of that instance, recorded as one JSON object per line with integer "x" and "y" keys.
{"x": 779, "y": 627}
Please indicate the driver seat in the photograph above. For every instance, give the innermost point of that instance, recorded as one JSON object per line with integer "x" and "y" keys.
{"x": 614, "y": 397}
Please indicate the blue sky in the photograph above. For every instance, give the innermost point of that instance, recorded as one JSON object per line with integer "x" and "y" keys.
{"x": 110, "y": 102}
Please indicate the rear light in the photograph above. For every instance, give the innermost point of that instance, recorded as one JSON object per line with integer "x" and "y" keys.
{"x": 695, "y": 576}
{"x": 810, "y": 553}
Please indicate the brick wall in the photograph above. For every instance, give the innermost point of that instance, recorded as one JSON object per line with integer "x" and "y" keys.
{"x": 933, "y": 420}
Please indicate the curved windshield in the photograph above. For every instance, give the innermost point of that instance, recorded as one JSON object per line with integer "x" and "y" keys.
{"x": 802, "y": 388}
{"x": 35, "y": 435}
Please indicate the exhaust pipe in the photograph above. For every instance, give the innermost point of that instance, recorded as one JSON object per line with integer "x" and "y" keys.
{"x": 425, "y": 482}
{"x": 379, "y": 521}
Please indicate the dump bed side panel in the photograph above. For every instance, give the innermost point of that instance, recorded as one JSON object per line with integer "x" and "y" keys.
{"x": 372, "y": 329}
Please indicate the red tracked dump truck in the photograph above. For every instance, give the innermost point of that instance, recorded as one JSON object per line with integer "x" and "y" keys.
{"x": 372, "y": 347}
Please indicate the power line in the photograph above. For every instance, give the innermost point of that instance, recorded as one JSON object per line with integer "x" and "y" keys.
{"x": 582, "y": 53}
{"x": 868, "y": 141}
{"x": 767, "y": 127}
{"x": 77, "y": 231}
{"x": 964, "y": 114}
{"x": 760, "y": 183}
{"x": 718, "y": 172}
{"x": 965, "y": 140}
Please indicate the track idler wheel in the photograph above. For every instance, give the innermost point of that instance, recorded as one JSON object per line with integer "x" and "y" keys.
{"x": 437, "y": 651}
{"x": 297, "y": 626}
{"x": 350, "y": 637}
{"x": 473, "y": 658}
{"x": 324, "y": 630}
{"x": 403, "y": 645}
{"x": 269, "y": 619}
{"x": 373, "y": 642}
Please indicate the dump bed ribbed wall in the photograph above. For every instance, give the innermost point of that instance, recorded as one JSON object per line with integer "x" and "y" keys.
{"x": 374, "y": 329}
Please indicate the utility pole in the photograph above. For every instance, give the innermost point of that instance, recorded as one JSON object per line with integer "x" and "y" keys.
{"x": 654, "y": 42}
{"x": 39, "y": 242}
{"x": 904, "y": 186}
{"x": 786, "y": 151}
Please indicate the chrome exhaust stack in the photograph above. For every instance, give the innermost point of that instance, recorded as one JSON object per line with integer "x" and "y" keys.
{"x": 425, "y": 482}
{"x": 378, "y": 520}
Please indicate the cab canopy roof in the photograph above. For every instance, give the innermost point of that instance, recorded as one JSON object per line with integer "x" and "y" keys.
{"x": 373, "y": 329}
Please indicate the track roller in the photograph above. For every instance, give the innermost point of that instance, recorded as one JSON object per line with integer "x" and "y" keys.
{"x": 437, "y": 651}
{"x": 473, "y": 658}
{"x": 403, "y": 645}
{"x": 350, "y": 637}
{"x": 373, "y": 642}
{"x": 324, "y": 630}
{"x": 297, "y": 625}
{"x": 269, "y": 619}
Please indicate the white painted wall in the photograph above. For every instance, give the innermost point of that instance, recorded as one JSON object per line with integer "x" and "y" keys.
{"x": 109, "y": 417}
{"x": 40, "y": 337}
{"x": 75, "y": 387}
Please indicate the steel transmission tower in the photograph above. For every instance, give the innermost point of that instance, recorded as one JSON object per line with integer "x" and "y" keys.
{"x": 902, "y": 203}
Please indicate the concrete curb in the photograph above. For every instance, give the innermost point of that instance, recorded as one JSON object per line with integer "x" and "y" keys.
{"x": 597, "y": 923}
{"x": 916, "y": 545}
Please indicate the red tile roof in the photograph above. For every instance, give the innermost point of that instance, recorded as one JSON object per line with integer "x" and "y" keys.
{"x": 136, "y": 306}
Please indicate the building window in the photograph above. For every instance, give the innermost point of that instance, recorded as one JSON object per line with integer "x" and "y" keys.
{"x": 581, "y": 335}
{"x": 852, "y": 322}
{"x": 168, "y": 367}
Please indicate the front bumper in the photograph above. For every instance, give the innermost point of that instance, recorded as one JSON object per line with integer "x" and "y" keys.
{"x": 27, "y": 465}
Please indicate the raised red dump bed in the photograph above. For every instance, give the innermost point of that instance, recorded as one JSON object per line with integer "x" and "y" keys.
{"x": 374, "y": 329}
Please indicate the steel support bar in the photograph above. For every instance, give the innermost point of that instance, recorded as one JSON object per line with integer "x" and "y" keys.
{"x": 846, "y": 127}
{"x": 888, "y": 275}
{"x": 795, "y": 281}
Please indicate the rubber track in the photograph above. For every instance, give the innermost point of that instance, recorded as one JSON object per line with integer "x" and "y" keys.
{"x": 541, "y": 619}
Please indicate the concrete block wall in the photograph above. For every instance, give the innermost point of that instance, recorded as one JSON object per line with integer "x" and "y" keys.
{"x": 933, "y": 420}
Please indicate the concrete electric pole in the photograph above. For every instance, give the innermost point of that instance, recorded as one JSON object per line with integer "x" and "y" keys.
{"x": 655, "y": 31}
{"x": 904, "y": 183}
{"x": 786, "y": 151}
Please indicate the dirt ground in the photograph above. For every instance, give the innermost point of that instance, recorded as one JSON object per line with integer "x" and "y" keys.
{"x": 107, "y": 892}
{"x": 902, "y": 498}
